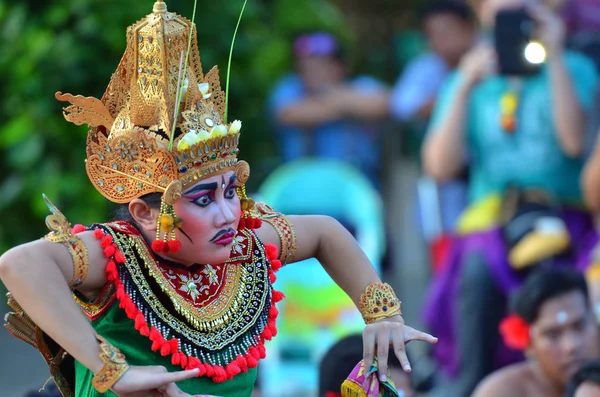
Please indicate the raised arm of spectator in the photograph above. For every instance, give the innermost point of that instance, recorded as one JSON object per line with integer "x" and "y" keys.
{"x": 444, "y": 151}
{"x": 572, "y": 85}
{"x": 591, "y": 179}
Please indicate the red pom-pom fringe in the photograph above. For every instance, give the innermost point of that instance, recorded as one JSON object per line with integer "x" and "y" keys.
{"x": 232, "y": 369}
{"x": 275, "y": 265}
{"x": 78, "y": 229}
{"x": 242, "y": 224}
{"x": 119, "y": 257}
{"x": 106, "y": 241}
{"x": 242, "y": 363}
{"x": 262, "y": 352}
{"x": 109, "y": 251}
{"x": 174, "y": 245}
{"x": 278, "y": 296}
{"x": 271, "y": 251}
{"x": 159, "y": 246}
{"x": 210, "y": 371}
{"x": 252, "y": 362}
{"x": 98, "y": 233}
{"x": 220, "y": 375}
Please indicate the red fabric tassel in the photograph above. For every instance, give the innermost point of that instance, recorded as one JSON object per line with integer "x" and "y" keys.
{"x": 106, "y": 241}
{"x": 277, "y": 296}
{"x": 119, "y": 258}
{"x": 131, "y": 310}
{"x": 254, "y": 353}
{"x": 165, "y": 350}
{"x": 272, "y": 277}
{"x": 252, "y": 362}
{"x": 98, "y": 233}
{"x": 154, "y": 334}
{"x": 267, "y": 333}
{"x": 271, "y": 251}
{"x": 111, "y": 271}
{"x": 78, "y": 229}
{"x": 273, "y": 312}
{"x": 193, "y": 363}
{"x": 257, "y": 223}
{"x": 201, "y": 370}
{"x": 156, "y": 345}
{"x": 262, "y": 351}
{"x": 145, "y": 331}
{"x": 273, "y": 329}
{"x": 109, "y": 251}
{"x": 210, "y": 371}
{"x": 275, "y": 264}
{"x": 220, "y": 375}
{"x": 175, "y": 359}
{"x": 232, "y": 369}
{"x": 242, "y": 363}
{"x": 242, "y": 224}
{"x": 174, "y": 245}
{"x": 139, "y": 322}
{"x": 158, "y": 246}
{"x": 174, "y": 343}
{"x": 183, "y": 360}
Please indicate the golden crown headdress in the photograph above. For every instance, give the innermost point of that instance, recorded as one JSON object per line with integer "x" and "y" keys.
{"x": 161, "y": 120}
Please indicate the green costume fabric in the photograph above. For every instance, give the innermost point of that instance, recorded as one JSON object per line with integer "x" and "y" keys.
{"x": 118, "y": 330}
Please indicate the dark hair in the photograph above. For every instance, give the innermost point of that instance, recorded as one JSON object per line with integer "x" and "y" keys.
{"x": 590, "y": 372}
{"x": 121, "y": 213}
{"x": 457, "y": 8}
{"x": 341, "y": 359}
{"x": 544, "y": 285}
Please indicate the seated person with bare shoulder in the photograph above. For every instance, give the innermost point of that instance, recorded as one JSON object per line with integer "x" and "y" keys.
{"x": 554, "y": 325}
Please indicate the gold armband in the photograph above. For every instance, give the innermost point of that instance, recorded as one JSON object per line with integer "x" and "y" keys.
{"x": 378, "y": 302}
{"x": 284, "y": 229}
{"x": 60, "y": 232}
{"x": 114, "y": 367}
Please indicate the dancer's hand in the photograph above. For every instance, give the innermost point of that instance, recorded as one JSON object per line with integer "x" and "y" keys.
{"x": 379, "y": 336}
{"x": 151, "y": 381}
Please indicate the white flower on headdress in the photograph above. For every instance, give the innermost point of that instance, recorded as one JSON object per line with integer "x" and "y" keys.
{"x": 219, "y": 130}
{"x": 235, "y": 127}
{"x": 204, "y": 87}
{"x": 189, "y": 139}
{"x": 203, "y": 135}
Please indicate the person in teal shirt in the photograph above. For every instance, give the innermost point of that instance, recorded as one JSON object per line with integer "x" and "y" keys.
{"x": 517, "y": 134}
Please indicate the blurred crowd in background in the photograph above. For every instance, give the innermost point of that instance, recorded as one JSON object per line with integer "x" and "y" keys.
{"x": 475, "y": 193}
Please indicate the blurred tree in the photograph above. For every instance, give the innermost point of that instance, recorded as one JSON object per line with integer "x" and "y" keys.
{"x": 75, "y": 45}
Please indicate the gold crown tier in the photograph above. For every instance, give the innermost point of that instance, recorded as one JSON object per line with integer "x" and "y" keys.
{"x": 128, "y": 144}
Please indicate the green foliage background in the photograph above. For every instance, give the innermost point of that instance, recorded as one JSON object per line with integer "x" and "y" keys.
{"x": 74, "y": 46}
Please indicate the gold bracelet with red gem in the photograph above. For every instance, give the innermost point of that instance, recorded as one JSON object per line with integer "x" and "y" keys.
{"x": 379, "y": 302}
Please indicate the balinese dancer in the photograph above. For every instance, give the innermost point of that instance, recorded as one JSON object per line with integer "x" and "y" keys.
{"x": 175, "y": 297}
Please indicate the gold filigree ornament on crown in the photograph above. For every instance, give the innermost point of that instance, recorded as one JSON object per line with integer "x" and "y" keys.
{"x": 161, "y": 119}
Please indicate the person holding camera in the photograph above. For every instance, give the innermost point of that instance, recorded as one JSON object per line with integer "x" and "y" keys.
{"x": 515, "y": 112}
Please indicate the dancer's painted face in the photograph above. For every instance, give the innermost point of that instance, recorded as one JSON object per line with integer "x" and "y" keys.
{"x": 210, "y": 213}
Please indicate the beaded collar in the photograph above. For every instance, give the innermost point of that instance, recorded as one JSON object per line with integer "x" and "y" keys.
{"x": 212, "y": 317}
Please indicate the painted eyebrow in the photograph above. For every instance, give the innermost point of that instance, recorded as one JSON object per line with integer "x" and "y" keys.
{"x": 202, "y": 187}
